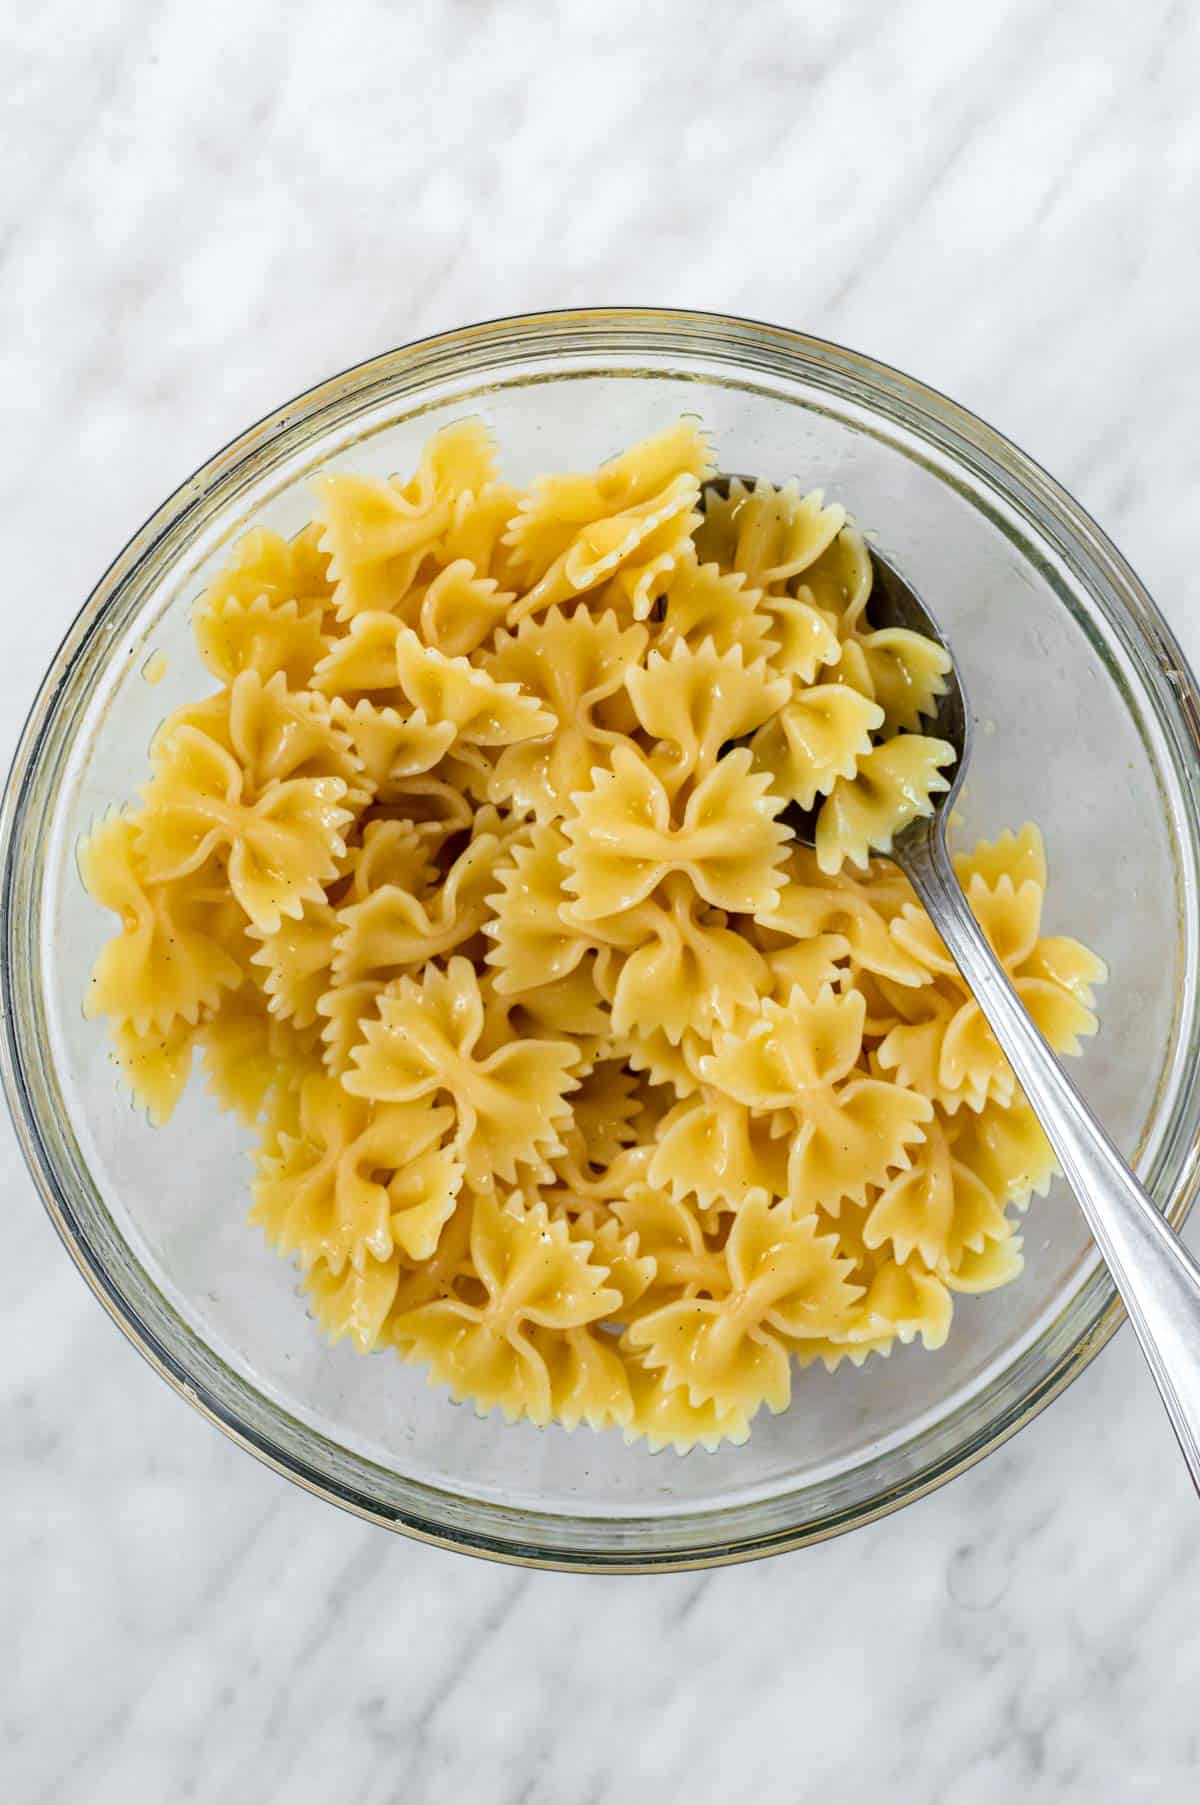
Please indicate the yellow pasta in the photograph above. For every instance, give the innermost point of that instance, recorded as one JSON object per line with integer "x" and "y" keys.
{"x": 684, "y": 968}
{"x": 377, "y": 535}
{"x": 282, "y": 573}
{"x": 422, "y": 1043}
{"x": 270, "y": 638}
{"x": 533, "y": 1275}
{"x": 474, "y": 889}
{"x": 782, "y": 1277}
{"x": 627, "y": 838}
{"x": 166, "y": 965}
{"x": 695, "y": 700}
{"x": 574, "y": 664}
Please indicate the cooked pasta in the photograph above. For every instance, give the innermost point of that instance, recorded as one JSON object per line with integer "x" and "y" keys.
{"x": 474, "y": 889}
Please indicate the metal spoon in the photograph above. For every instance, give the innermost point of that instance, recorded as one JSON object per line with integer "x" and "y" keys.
{"x": 1157, "y": 1277}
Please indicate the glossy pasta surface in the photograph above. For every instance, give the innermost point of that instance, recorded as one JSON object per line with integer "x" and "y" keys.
{"x": 473, "y": 889}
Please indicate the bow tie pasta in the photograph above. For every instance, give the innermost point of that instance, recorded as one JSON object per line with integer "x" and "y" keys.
{"x": 475, "y": 889}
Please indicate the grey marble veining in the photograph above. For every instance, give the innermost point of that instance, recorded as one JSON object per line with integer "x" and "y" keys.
{"x": 206, "y": 209}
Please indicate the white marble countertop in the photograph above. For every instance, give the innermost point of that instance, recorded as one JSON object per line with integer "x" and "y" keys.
{"x": 207, "y": 208}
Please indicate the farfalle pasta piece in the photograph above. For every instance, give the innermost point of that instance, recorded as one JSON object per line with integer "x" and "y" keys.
{"x": 277, "y": 735}
{"x": 344, "y": 1012}
{"x": 509, "y": 1105}
{"x": 384, "y": 661}
{"x": 1010, "y": 917}
{"x": 892, "y": 785}
{"x": 604, "y": 1111}
{"x": 361, "y": 666}
{"x": 422, "y": 1196}
{"x": 911, "y": 1054}
{"x": 479, "y": 520}
{"x": 588, "y": 1380}
{"x": 626, "y": 556}
{"x": 377, "y": 533}
{"x": 663, "y": 1062}
{"x": 352, "y": 1304}
{"x": 571, "y": 1185}
{"x": 802, "y": 643}
{"x": 802, "y": 1055}
{"x": 269, "y": 638}
{"x": 570, "y": 1007}
{"x": 839, "y": 581}
{"x": 166, "y": 965}
{"x": 907, "y": 675}
{"x": 1020, "y": 857}
{"x": 785, "y": 1276}
{"x": 800, "y": 1045}
{"x": 852, "y": 1137}
{"x": 939, "y": 1209}
{"x": 324, "y": 1194}
{"x": 624, "y": 842}
{"x": 392, "y": 872}
{"x": 267, "y": 567}
{"x": 712, "y": 1148}
{"x": 431, "y": 802}
{"x": 626, "y": 527}
{"x": 534, "y": 1276}
{"x": 947, "y": 1049}
{"x": 680, "y": 1262}
{"x": 851, "y": 668}
{"x": 696, "y": 700}
{"x": 904, "y": 1300}
{"x": 391, "y": 851}
{"x": 460, "y": 609}
{"x": 1067, "y": 964}
{"x": 247, "y": 1053}
{"x": 468, "y": 769}
{"x": 703, "y": 602}
{"x": 447, "y": 1269}
{"x": 664, "y": 1415}
{"x": 273, "y": 734}
{"x": 899, "y": 1302}
{"x": 631, "y": 1270}
{"x": 571, "y": 664}
{"x": 271, "y": 731}
{"x": 376, "y": 539}
{"x": 1006, "y": 1148}
{"x": 687, "y": 969}
{"x": 997, "y": 1263}
{"x": 392, "y": 930}
{"x": 392, "y": 745}
{"x": 819, "y": 737}
{"x": 155, "y": 1065}
{"x": 532, "y": 942}
{"x": 811, "y": 905}
{"x": 549, "y": 517}
{"x": 771, "y": 535}
{"x": 813, "y": 965}
{"x": 281, "y": 849}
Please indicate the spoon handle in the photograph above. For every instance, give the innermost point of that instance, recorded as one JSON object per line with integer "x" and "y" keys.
{"x": 1157, "y": 1278}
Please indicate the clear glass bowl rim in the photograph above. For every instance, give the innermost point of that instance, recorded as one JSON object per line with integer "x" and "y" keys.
{"x": 591, "y": 334}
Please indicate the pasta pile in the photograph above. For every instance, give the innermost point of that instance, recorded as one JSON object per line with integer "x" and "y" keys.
{"x": 574, "y": 1075}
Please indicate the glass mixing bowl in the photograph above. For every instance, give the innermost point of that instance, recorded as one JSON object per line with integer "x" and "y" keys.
{"x": 1088, "y": 722}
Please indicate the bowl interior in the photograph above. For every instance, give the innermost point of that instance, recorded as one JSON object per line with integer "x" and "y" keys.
{"x": 1068, "y": 733}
